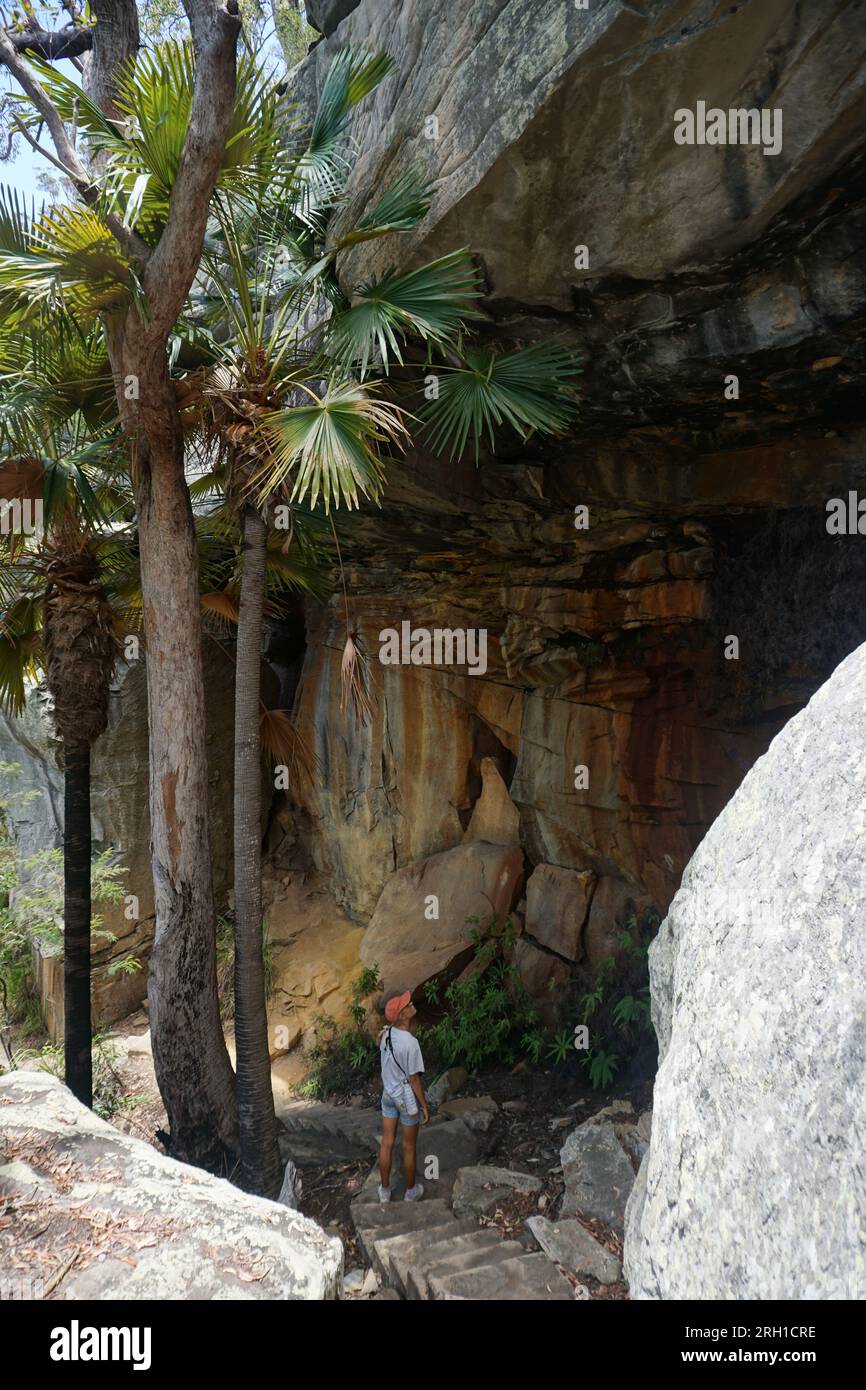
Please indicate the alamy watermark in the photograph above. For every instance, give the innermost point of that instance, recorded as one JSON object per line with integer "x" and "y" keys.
{"x": 738, "y": 126}
{"x": 846, "y": 516}
{"x": 20, "y": 516}
{"x": 439, "y": 646}
{"x": 77, "y": 1343}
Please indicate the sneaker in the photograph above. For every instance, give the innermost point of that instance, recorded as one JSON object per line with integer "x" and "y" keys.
{"x": 384, "y": 1193}
{"x": 414, "y": 1194}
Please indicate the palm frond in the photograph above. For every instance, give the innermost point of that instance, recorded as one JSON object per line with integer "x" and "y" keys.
{"x": 20, "y": 628}
{"x": 431, "y": 303}
{"x": 71, "y": 266}
{"x": 400, "y": 208}
{"x": 286, "y": 747}
{"x": 528, "y": 389}
{"x": 221, "y": 604}
{"x": 16, "y": 221}
{"x": 332, "y": 446}
{"x": 352, "y": 75}
{"x": 293, "y": 569}
{"x": 355, "y": 680}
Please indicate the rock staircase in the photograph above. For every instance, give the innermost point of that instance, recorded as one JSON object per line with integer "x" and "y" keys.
{"x": 421, "y": 1250}
{"x": 359, "y": 1127}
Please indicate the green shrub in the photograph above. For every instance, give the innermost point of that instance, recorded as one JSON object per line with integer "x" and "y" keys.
{"x": 616, "y": 1010}
{"x": 488, "y": 1016}
{"x": 343, "y": 1057}
{"x": 109, "y": 1094}
{"x": 36, "y": 912}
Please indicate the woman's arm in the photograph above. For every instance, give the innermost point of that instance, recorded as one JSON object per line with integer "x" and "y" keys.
{"x": 415, "y": 1083}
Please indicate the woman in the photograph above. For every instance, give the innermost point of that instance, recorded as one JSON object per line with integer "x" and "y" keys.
{"x": 402, "y": 1094}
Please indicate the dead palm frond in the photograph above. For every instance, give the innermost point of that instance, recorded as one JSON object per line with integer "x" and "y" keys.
{"x": 286, "y": 747}
{"x": 355, "y": 680}
{"x": 221, "y": 605}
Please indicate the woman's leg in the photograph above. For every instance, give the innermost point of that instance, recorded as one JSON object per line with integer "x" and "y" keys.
{"x": 389, "y": 1132}
{"x": 410, "y": 1144}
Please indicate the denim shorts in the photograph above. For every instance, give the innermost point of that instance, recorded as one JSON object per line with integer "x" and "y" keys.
{"x": 393, "y": 1110}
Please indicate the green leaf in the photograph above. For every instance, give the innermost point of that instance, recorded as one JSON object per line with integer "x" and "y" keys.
{"x": 70, "y": 265}
{"x": 431, "y": 303}
{"x": 351, "y": 77}
{"x": 332, "y": 446}
{"x": 527, "y": 389}
{"x": 399, "y": 209}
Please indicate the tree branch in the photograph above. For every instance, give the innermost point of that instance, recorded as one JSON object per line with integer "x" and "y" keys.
{"x": 174, "y": 262}
{"x": 137, "y": 249}
{"x": 40, "y": 149}
{"x": 68, "y": 42}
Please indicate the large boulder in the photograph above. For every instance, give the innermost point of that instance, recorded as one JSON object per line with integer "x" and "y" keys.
{"x": 325, "y": 15}
{"x": 479, "y": 1189}
{"x": 516, "y": 112}
{"x": 557, "y": 903}
{"x": 119, "y": 1220}
{"x": 504, "y": 79}
{"x": 753, "y": 1185}
{"x": 597, "y": 1173}
{"x": 422, "y": 923}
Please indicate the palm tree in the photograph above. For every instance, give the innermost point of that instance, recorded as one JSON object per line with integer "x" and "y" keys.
{"x": 54, "y": 612}
{"x": 320, "y": 430}
{"x": 287, "y": 402}
{"x": 174, "y": 124}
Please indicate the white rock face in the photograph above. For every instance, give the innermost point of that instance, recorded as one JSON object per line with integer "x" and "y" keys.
{"x": 754, "y": 1185}
{"x": 147, "y": 1226}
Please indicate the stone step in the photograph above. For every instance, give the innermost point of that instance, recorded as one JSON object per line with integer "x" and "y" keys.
{"x": 395, "y": 1218}
{"x": 305, "y": 1114}
{"x": 478, "y": 1251}
{"x": 369, "y": 1193}
{"x": 385, "y": 1246}
{"x": 384, "y": 1295}
{"x": 410, "y": 1246}
{"x": 316, "y": 1149}
{"x": 363, "y": 1127}
{"x": 409, "y": 1269}
{"x": 527, "y": 1277}
{"x": 442, "y": 1148}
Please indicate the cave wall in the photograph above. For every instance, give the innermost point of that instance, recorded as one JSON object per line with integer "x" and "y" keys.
{"x": 554, "y": 127}
{"x": 605, "y": 648}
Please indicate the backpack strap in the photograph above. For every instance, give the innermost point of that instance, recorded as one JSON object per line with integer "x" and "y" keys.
{"x": 390, "y": 1047}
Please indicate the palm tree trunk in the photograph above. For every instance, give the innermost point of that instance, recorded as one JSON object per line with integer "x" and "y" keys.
{"x": 76, "y": 923}
{"x": 260, "y": 1155}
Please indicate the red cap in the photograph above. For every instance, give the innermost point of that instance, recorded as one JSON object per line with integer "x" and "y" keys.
{"x": 395, "y": 1006}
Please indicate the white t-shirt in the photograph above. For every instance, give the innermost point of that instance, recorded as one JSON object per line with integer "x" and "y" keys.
{"x": 406, "y": 1052}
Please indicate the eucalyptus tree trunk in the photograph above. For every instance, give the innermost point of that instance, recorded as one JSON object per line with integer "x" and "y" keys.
{"x": 261, "y": 1169}
{"x": 76, "y": 923}
{"x": 192, "y": 1064}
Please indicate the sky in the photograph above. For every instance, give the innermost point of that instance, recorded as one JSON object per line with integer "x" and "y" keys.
{"x": 21, "y": 173}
